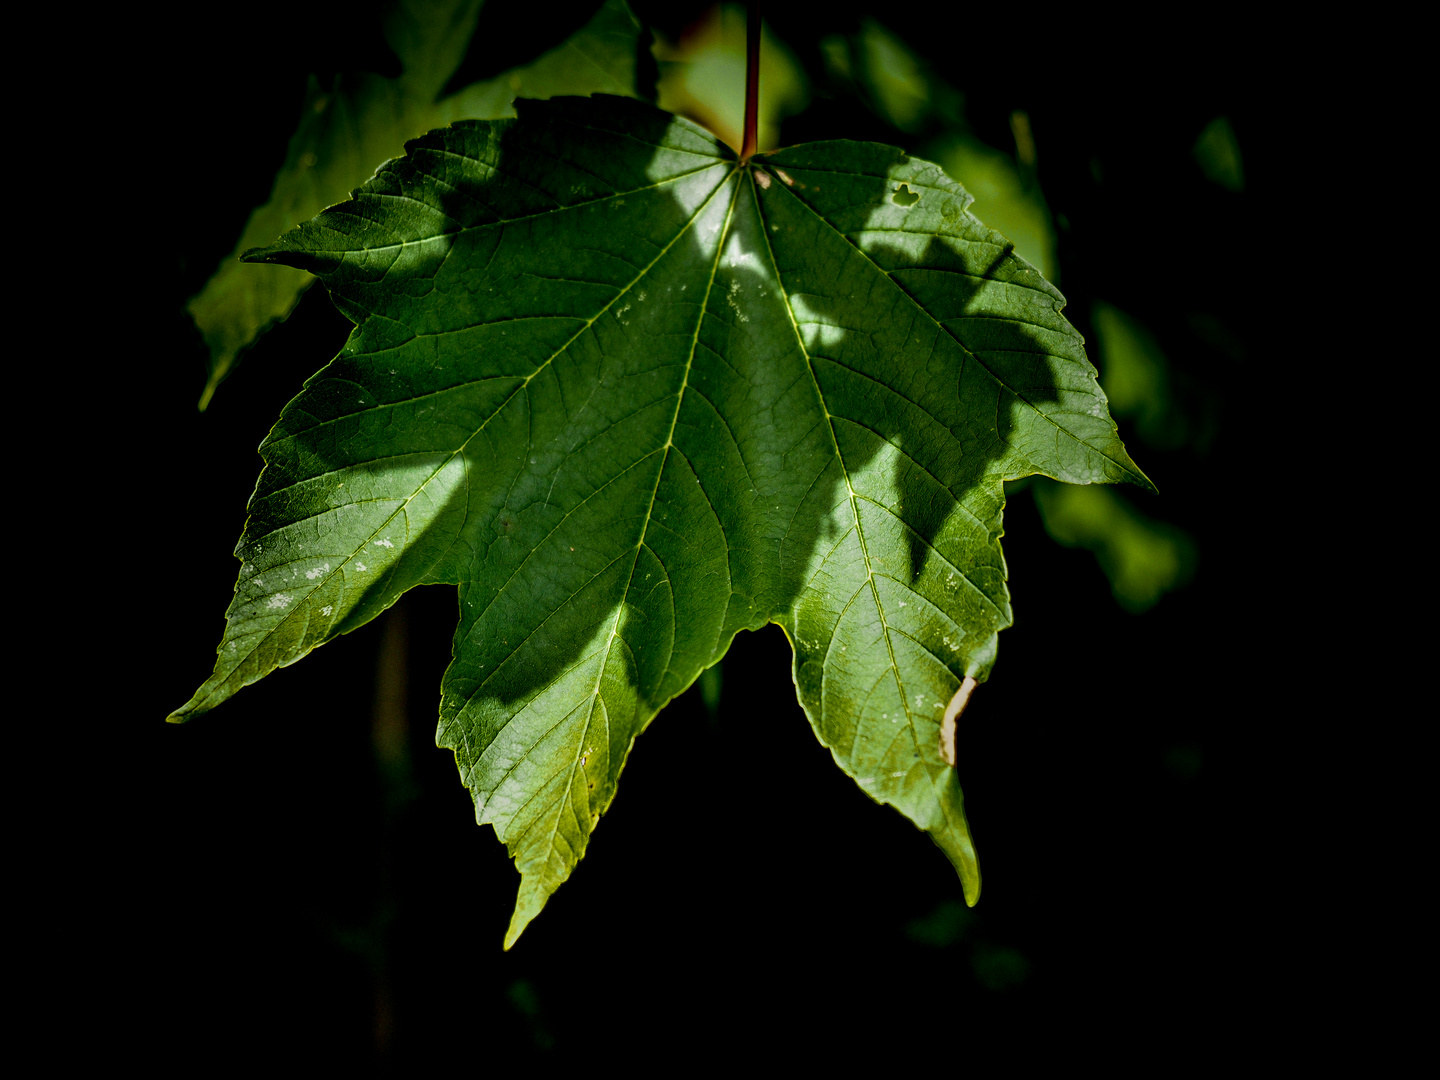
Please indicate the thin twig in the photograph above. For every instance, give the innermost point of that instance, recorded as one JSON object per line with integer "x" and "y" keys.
{"x": 752, "y": 80}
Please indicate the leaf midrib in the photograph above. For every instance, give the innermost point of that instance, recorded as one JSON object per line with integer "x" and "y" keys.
{"x": 595, "y": 699}
{"x": 845, "y": 472}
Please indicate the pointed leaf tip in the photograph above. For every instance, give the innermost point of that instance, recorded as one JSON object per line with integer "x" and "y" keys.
{"x": 1140, "y": 480}
{"x": 184, "y": 714}
{"x": 519, "y": 920}
{"x": 958, "y": 848}
{"x": 280, "y": 254}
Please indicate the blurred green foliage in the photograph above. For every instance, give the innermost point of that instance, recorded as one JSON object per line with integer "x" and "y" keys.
{"x": 1144, "y": 559}
{"x": 1136, "y": 378}
{"x": 950, "y": 925}
{"x": 1218, "y": 153}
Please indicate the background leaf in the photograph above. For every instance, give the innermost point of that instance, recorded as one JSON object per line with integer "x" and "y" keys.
{"x": 349, "y": 126}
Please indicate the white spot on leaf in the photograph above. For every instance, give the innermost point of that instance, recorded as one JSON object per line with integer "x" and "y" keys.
{"x": 734, "y": 304}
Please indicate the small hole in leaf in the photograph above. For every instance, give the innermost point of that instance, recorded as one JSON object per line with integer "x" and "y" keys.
{"x": 904, "y": 196}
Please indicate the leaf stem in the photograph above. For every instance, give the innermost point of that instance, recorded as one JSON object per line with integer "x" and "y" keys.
{"x": 752, "y": 80}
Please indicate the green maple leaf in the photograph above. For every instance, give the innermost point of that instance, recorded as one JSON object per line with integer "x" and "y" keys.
{"x": 632, "y": 397}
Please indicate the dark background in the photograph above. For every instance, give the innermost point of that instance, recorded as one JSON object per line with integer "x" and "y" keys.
{"x": 264, "y": 882}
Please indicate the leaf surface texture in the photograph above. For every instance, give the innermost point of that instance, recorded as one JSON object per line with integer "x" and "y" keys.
{"x": 632, "y": 397}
